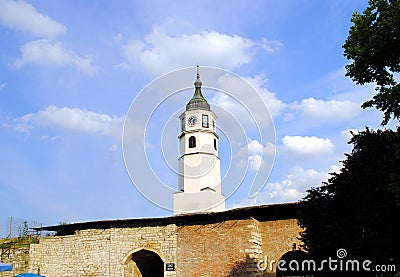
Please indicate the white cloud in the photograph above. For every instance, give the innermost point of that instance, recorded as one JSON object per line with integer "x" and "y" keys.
{"x": 271, "y": 46}
{"x": 159, "y": 52}
{"x": 23, "y": 16}
{"x": 294, "y": 185}
{"x": 255, "y": 147}
{"x": 292, "y": 188}
{"x": 45, "y": 53}
{"x": 256, "y": 154}
{"x": 252, "y": 104}
{"x": 332, "y": 110}
{"x": 275, "y": 106}
{"x": 2, "y": 86}
{"x": 308, "y": 146}
{"x": 72, "y": 119}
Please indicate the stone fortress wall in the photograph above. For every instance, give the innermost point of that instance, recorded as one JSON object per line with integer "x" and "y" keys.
{"x": 227, "y": 243}
{"x": 19, "y": 258}
{"x": 106, "y": 252}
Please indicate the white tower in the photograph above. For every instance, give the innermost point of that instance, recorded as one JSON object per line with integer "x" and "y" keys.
{"x": 199, "y": 182}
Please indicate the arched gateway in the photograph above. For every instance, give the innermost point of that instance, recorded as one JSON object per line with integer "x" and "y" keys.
{"x": 295, "y": 263}
{"x": 144, "y": 263}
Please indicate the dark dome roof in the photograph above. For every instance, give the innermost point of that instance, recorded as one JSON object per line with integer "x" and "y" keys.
{"x": 198, "y": 102}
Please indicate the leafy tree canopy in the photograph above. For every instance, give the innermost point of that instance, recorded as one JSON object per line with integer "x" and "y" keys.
{"x": 373, "y": 45}
{"x": 357, "y": 208}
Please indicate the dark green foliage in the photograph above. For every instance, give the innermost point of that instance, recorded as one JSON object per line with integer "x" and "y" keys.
{"x": 373, "y": 45}
{"x": 23, "y": 230}
{"x": 357, "y": 209}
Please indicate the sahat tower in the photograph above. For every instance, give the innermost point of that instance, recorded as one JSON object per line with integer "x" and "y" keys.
{"x": 199, "y": 181}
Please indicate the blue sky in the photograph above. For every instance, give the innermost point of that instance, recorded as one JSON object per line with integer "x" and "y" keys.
{"x": 69, "y": 71}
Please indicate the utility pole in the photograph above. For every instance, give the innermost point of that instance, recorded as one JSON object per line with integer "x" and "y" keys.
{"x": 10, "y": 227}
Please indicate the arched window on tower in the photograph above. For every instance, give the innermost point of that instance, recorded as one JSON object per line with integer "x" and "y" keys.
{"x": 192, "y": 142}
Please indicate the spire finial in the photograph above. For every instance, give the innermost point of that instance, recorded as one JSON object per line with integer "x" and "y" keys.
{"x": 198, "y": 83}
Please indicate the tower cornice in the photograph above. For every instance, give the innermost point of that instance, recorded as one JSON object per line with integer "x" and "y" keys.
{"x": 194, "y": 131}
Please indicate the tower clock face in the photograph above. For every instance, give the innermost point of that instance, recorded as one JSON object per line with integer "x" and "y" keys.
{"x": 192, "y": 120}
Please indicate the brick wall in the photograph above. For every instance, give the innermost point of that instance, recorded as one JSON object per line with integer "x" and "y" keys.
{"x": 228, "y": 248}
{"x": 279, "y": 237}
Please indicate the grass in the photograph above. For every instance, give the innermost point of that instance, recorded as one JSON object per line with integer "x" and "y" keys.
{"x": 19, "y": 242}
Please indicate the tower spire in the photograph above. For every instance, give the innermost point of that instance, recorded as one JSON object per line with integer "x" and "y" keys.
{"x": 198, "y": 101}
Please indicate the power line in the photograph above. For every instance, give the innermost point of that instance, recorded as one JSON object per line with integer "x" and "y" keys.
{"x": 14, "y": 226}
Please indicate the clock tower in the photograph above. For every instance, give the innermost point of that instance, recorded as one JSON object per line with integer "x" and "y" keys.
{"x": 199, "y": 181}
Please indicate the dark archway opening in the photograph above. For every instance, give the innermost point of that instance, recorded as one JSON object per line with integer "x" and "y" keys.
{"x": 148, "y": 263}
{"x": 296, "y": 263}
